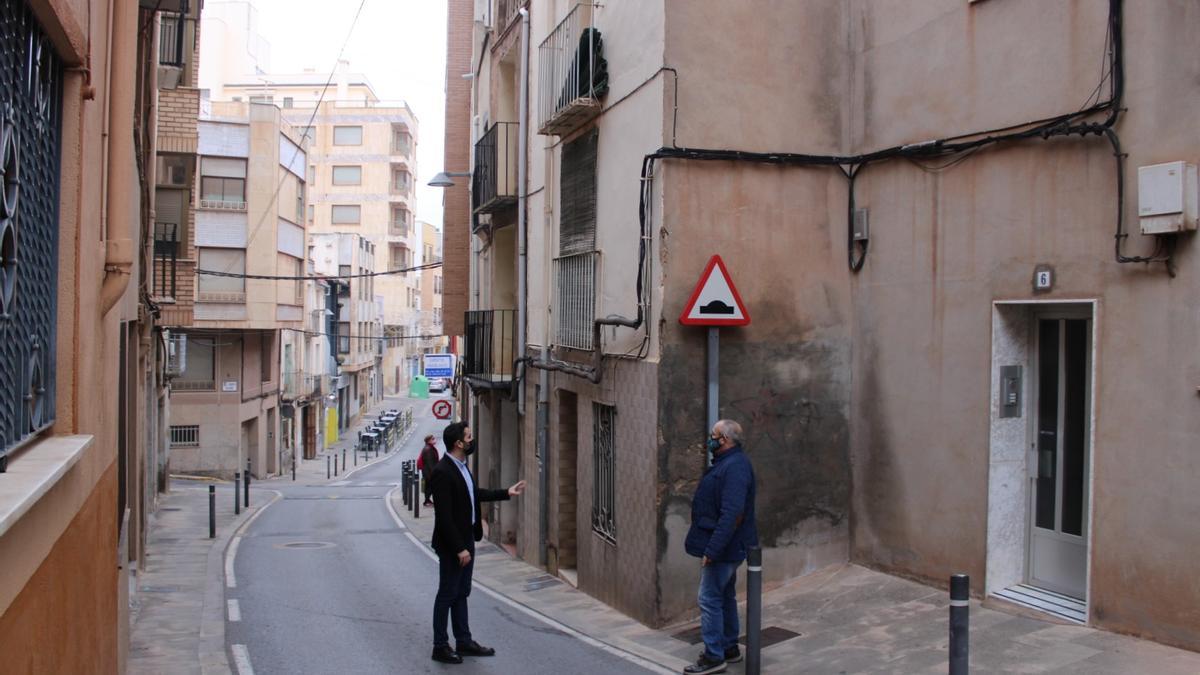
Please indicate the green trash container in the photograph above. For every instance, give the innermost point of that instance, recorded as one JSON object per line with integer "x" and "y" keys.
{"x": 419, "y": 387}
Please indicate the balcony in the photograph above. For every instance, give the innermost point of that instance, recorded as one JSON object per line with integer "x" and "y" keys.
{"x": 222, "y": 205}
{"x": 490, "y": 348}
{"x": 494, "y": 181}
{"x": 166, "y": 262}
{"x": 506, "y": 11}
{"x": 574, "y": 74}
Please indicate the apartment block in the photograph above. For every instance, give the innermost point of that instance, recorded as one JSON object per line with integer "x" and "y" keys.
{"x": 247, "y": 202}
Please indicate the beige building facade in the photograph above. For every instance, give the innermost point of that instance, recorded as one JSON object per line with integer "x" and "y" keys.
{"x": 248, "y": 213}
{"x": 948, "y": 369}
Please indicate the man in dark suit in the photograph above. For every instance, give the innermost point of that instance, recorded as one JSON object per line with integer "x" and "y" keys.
{"x": 456, "y": 528}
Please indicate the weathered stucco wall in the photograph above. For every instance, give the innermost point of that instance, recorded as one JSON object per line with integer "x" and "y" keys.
{"x": 945, "y": 245}
{"x": 785, "y": 377}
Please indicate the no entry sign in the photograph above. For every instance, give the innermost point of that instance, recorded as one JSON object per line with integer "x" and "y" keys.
{"x": 442, "y": 409}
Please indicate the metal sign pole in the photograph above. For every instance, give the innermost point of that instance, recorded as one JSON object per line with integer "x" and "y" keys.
{"x": 714, "y": 346}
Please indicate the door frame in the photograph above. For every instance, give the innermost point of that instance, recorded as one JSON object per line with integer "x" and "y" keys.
{"x": 1058, "y": 312}
{"x": 1008, "y": 497}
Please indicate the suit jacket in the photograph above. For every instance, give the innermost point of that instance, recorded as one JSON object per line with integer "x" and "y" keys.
{"x": 452, "y": 526}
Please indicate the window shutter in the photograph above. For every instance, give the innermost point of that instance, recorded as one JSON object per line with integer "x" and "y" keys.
{"x": 577, "y": 228}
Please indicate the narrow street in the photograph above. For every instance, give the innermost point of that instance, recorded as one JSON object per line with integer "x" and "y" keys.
{"x": 325, "y": 580}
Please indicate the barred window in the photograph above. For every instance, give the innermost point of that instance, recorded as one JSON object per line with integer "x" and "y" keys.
{"x": 31, "y": 86}
{"x": 604, "y": 470}
{"x": 185, "y": 436}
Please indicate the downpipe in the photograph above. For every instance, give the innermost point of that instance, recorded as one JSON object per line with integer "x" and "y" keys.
{"x": 119, "y": 242}
{"x": 522, "y": 203}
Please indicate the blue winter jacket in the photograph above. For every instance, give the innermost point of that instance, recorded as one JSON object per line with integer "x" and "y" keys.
{"x": 723, "y": 525}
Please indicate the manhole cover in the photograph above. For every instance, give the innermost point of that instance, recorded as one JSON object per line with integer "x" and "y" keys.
{"x": 306, "y": 544}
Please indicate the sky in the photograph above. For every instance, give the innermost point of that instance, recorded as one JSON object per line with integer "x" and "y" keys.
{"x": 400, "y": 45}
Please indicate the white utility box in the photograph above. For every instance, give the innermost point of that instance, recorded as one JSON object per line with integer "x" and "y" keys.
{"x": 1167, "y": 197}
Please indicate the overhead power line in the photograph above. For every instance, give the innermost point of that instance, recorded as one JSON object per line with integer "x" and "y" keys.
{"x": 318, "y": 277}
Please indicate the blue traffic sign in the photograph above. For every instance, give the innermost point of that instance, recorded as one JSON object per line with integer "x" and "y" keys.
{"x": 439, "y": 365}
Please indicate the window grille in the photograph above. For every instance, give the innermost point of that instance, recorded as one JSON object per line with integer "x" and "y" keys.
{"x": 575, "y": 277}
{"x": 604, "y": 494}
{"x": 185, "y": 436}
{"x": 30, "y": 114}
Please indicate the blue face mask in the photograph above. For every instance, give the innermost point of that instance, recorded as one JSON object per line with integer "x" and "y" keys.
{"x": 713, "y": 445}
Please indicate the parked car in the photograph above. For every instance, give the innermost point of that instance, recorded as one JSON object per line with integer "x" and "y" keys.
{"x": 438, "y": 384}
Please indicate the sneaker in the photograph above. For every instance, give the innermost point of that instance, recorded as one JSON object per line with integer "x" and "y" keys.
{"x": 705, "y": 665}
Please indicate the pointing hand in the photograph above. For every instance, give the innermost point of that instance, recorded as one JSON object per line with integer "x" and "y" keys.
{"x": 516, "y": 489}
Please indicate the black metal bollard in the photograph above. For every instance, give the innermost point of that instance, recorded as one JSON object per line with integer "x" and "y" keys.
{"x": 335, "y": 463}
{"x": 356, "y": 457}
{"x": 412, "y": 498}
{"x": 246, "y": 483}
{"x": 212, "y": 511}
{"x": 404, "y": 483}
{"x": 343, "y": 460}
{"x": 237, "y": 493}
{"x": 754, "y": 611}
{"x": 417, "y": 496}
{"x": 327, "y": 474}
{"x": 294, "y": 466}
{"x": 960, "y": 623}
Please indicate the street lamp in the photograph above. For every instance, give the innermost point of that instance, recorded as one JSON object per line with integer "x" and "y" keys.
{"x": 442, "y": 180}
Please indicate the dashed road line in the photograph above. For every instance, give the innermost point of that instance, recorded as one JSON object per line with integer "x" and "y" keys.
{"x": 241, "y": 658}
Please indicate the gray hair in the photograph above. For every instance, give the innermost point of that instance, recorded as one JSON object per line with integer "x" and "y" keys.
{"x": 730, "y": 430}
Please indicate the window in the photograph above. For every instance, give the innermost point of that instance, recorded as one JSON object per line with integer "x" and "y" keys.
{"x": 346, "y": 214}
{"x": 400, "y": 180}
{"x": 401, "y": 141}
{"x": 265, "y": 348}
{"x": 262, "y": 99}
{"x": 399, "y": 224}
{"x": 288, "y": 102}
{"x": 185, "y": 436}
{"x": 575, "y": 269}
{"x": 347, "y": 135}
{"x": 29, "y": 227}
{"x": 221, "y": 289}
{"x": 222, "y": 182}
{"x": 437, "y": 284}
{"x": 312, "y": 213}
{"x": 199, "y": 372}
{"x": 172, "y": 170}
{"x": 347, "y": 175}
{"x": 343, "y": 337}
{"x": 604, "y": 497}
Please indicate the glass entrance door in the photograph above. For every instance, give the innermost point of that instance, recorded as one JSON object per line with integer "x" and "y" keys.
{"x": 1059, "y": 468}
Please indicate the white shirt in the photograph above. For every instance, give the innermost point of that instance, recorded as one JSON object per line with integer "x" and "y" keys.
{"x": 466, "y": 474}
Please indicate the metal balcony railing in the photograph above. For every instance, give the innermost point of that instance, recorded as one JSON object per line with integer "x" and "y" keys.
{"x": 574, "y": 74}
{"x": 166, "y": 259}
{"x": 495, "y": 176}
{"x": 505, "y": 11}
{"x": 171, "y": 39}
{"x": 576, "y": 284}
{"x": 490, "y": 347}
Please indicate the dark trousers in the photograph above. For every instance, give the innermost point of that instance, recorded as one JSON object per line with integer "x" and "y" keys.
{"x": 454, "y": 585}
{"x": 425, "y": 481}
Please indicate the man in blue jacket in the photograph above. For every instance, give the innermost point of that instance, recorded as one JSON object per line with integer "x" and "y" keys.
{"x": 723, "y": 529}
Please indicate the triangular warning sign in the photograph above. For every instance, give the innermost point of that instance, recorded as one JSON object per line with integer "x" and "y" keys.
{"x": 715, "y": 302}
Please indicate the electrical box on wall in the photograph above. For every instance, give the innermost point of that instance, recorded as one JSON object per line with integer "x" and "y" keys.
{"x": 1167, "y": 197}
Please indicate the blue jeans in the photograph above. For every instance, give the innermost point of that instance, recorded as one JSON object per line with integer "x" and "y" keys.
{"x": 718, "y": 608}
{"x": 454, "y": 586}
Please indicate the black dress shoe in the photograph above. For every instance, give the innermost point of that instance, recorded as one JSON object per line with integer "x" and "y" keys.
{"x": 446, "y": 655}
{"x": 473, "y": 648}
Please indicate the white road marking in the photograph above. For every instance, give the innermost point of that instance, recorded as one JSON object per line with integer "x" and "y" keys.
{"x": 235, "y": 611}
{"x": 241, "y": 658}
{"x": 387, "y": 499}
{"x": 593, "y": 642}
{"x": 230, "y": 554}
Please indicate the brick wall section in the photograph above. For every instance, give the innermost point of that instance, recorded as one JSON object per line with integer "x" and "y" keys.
{"x": 456, "y": 219}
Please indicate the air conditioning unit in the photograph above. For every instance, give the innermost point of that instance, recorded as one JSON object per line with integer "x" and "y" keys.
{"x": 176, "y": 354}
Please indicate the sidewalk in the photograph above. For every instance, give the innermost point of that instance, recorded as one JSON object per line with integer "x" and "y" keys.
{"x": 843, "y": 619}
{"x": 178, "y": 611}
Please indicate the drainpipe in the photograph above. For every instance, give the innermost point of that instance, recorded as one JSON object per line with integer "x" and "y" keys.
{"x": 118, "y": 247}
{"x": 522, "y": 171}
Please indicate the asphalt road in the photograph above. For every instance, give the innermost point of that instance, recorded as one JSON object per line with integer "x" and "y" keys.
{"x": 326, "y": 582}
